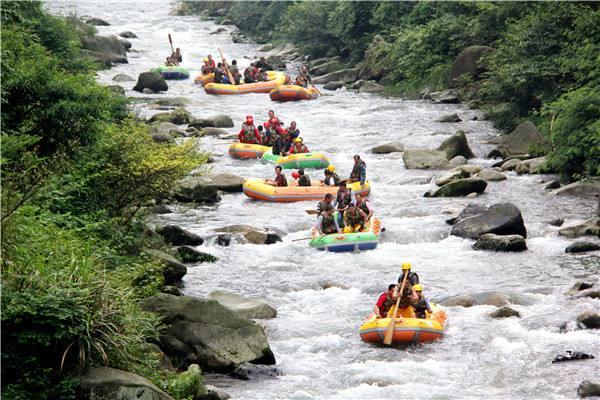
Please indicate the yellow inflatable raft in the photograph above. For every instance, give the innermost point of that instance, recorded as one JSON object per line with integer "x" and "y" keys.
{"x": 259, "y": 190}
{"x": 246, "y": 150}
{"x": 406, "y": 330}
{"x": 203, "y": 79}
{"x": 275, "y": 79}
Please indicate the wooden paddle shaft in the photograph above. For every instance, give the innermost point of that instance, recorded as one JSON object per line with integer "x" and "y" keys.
{"x": 226, "y": 68}
{"x": 171, "y": 43}
{"x": 389, "y": 334}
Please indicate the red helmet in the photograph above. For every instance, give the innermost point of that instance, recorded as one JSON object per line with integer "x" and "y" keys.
{"x": 249, "y": 119}
{"x": 266, "y": 124}
{"x": 295, "y": 175}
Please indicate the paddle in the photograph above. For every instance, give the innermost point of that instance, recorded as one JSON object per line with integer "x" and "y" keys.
{"x": 171, "y": 43}
{"x": 311, "y": 212}
{"x": 231, "y": 80}
{"x": 297, "y": 240}
{"x": 314, "y": 87}
{"x": 389, "y": 334}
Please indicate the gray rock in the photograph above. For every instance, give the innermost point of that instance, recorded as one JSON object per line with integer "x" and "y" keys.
{"x": 451, "y": 176}
{"x": 227, "y": 181}
{"x": 167, "y": 128}
{"x": 152, "y": 81}
{"x": 456, "y": 145}
{"x": 461, "y": 300}
{"x": 117, "y": 89}
{"x": 531, "y": 166}
{"x": 190, "y": 255}
{"x": 449, "y": 118}
{"x": 148, "y": 91}
{"x": 556, "y": 222}
{"x": 247, "y": 371}
{"x": 589, "y": 320}
{"x": 243, "y": 306}
{"x": 177, "y": 236}
{"x": 172, "y": 290}
{"x": 579, "y": 286}
{"x": 94, "y": 21}
{"x": 501, "y": 219}
{"x": 128, "y": 35}
{"x": 423, "y": 159}
{"x": 505, "y": 312}
{"x": 127, "y": 44}
{"x": 371, "y": 87}
{"x": 588, "y": 389}
{"x": 510, "y": 164}
{"x": 393, "y": 147}
{"x": 588, "y": 227}
{"x": 217, "y": 121}
{"x": 218, "y": 30}
{"x": 110, "y": 383}
{"x": 196, "y": 189}
{"x": 589, "y": 293}
{"x": 588, "y": 189}
{"x": 204, "y": 330}
{"x": 344, "y": 75}
{"x": 172, "y": 102}
{"x": 445, "y": 96}
{"x": 472, "y": 169}
{"x": 327, "y": 67}
{"x": 491, "y": 175}
{"x": 122, "y": 78}
{"x": 331, "y": 284}
{"x": 252, "y": 234}
{"x": 468, "y": 65}
{"x": 519, "y": 141}
{"x": 581, "y": 247}
{"x": 210, "y": 131}
{"x": 173, "y": 270}
{"x": 266, "y": 47}
{"x": 490, "y": 241}
{"x": 160, "y": 209}
{"x": 178, "y": 116}
{"x": 213, "y": 393}
{"x": 553, "y": 184}
{"x": 459, "y": 187}
{"x": 457, "y": 161}
{"x": 334, "y": 85}
{"x": 159, "y": 137}
{"x": 491, "y": 298}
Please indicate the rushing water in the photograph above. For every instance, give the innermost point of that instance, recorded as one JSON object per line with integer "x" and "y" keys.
{"x": 315, "y": 335}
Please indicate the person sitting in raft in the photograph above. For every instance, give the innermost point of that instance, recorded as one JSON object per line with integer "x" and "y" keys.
{"x": 220, "y": 74}
{"x": 263, "y": 64}
{"x": 420, "y": 304}
{"x": 326, "y": 223}
{"x": 343, "y": 200}
{"x": 385, "y": 301}
{"x": 279, "y": 181}
{"x": 292, "y": 130}
{"x": 206, "y": 68}
{"x": 262, "y": 75}
{"x": 300, "y": 81}
{"x": 327, "y": 200}
{"x": 211, "y": 63}
{"x": 299, "y": 147}
{"x": 169, "y": 62}
{"x": 364, "y": 204}
{"x": 249, "y": 75}
{"x": 304, "y": 74}
{"x": 225, "y": 75}
{"x": 303, "y": 180}
{"x": 331, "y": 178}
{"x": 176, "y": 56}
{"x": 355, "y": 219}
{"x": 282, "y": 144}
{"x": 359, "y": 171}
{"x": 405, "y": 308}
{"x": 249, "y": 134}
{"x": 235, "y": 72}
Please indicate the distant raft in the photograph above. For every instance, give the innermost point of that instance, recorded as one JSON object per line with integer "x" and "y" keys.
{"x": 348, "y": 242}
{"x": 247, "y": 150}
{"x": 172, "y": 72}
{"x": 257, "y": 189}
{"x": 406, "y": 330}
{"x": 301, "y": 160}
{"x": 293, "y": 93}
{"x": 275, "y": 79}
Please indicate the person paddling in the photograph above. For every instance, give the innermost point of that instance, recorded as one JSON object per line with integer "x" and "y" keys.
{"x": 385, "y": 301}
{"x": 354, "y": 219}
{"x": 249, "y": 75}
{"x": 293, "y": 131}
{"x": 299, "y": 147}
{"x": 249, "y": 133}
{"x": 409, "y": 295}
{"x": 235, "y": 72}
{"x": 280, "y": 179}
{"x": 326, "y": 223}
{"x": 176, "y": 56}
{"x": 420, "y": 304}
{"x": 359, "y": 171}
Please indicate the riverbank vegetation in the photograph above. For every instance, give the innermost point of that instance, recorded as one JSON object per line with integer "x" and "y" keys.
{"x": 544, "y": 57}
{"x": 78, "y": 169}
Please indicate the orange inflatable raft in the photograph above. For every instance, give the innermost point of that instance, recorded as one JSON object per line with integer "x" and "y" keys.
{"x": 293, "y": 93}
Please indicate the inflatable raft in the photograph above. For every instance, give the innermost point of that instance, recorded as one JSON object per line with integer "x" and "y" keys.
{"x": 245, "y": 150}
{"x": 275, "y": 79}
{"x": 406, "y": 330}
{"x": 259, "y": 190}
{"x": 172, "y": 72}
{"x": 347, "y": 242}
{"x": 301, "y": 160}
{"x": 203, "y": 79}
{"x": 293, "y": 93}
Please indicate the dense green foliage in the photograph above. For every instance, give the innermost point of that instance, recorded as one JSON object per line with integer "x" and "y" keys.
{"x": 76, "y": 171}
{"x": 542, "y": 51}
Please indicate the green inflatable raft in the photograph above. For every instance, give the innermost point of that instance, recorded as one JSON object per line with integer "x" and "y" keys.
{"x": 302, "y": 160}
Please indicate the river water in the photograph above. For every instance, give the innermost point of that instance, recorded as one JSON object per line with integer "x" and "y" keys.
{"x": 315, "y": 335}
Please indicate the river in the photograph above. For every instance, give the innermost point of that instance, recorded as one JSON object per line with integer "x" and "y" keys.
{"x": 315, "y": 335}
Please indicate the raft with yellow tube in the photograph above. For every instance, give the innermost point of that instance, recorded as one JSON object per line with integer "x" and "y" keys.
{"x": 293, "y": 93}
{"x": 257, "y": 189}
{"x": 247, "y": 150}
{"x": 406, "y": 330}
{"x": 203, "y": 79}
{"x": 275, "y": 79}
{"x": 300, "y": 160}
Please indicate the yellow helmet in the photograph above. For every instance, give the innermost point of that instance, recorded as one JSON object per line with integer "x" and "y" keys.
{"x": 205, "y": 59}
{"x": 406, "y": 265}
{"x": 298, "y": 140}
{"x": 418, "y": 287}
{"x": 331, "y": 168}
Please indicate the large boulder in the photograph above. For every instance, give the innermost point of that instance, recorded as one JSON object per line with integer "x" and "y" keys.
{"x": 243, "y": 306}
{"x": 468, "y": 65}
{"x": 94, "y": 21}
{"x": 110, "y": 383}
{"x": 489, "y": 298}
{"x": 588, "y": 227}
{"x": 519, "y": 141}
{"x": 393, "y": 147}
{"x": 448, "y": 96}
{"x": 327, "y": 67}
{"x": 252, "y": 234}
{"x": 173, "y": 270}
{"x": 190, "y": 255}
{"x": 106, "y": 50}
{"x": 423, "y": 159}
{"x": 588, "y": 389}
{"x": 344, "y": 75}
{"x": 177, "y": 236}
{"x": 179, "y": 116}
{"x": 456, "y": 145}
{"x": 490, "y": 241}
{"x": 196, "y": 189}
{"x": 216, "y": 121}
{"x": 204, "y": 332}
{"x": 371, "y": 87}
{"x": 449, "y": 118}
{"x": 227, "y": 181}
{"x": 334, "y": 85}
{"x": 451, "y": 176}
{"x": 501, "y": 219}
{"x": 581, "y": 247}
{"x": 589, "y": 320}
{"x": 152, "y": 81}
{"x": 531, "y": 166}
{"x": 122, "y": 78}
{"x": 459, "y": 187}
{"x": 589, "y": 189}
{"x": 491, "y": 175}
